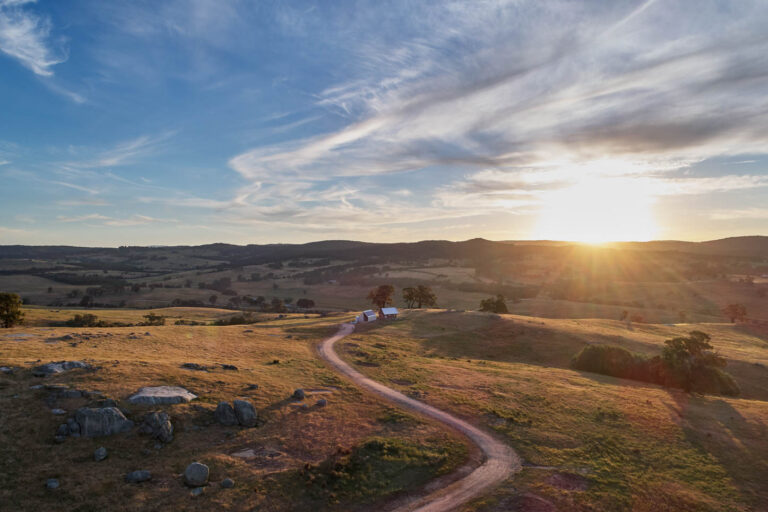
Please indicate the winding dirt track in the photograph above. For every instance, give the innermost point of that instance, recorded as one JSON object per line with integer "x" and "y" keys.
{"x": 500, "y": 460}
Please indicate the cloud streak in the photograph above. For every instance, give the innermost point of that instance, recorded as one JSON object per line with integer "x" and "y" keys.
{"x": 25, "y": 37}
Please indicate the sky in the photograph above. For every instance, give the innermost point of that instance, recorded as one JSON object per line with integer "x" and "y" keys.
{"x": 199, "y": 121}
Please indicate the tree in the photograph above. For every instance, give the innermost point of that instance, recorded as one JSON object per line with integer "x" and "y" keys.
{"x": 212, "y": 299}
{"x": 736, "y": 312}
{"x": 305, "y": 303}
{"x": 10, "y": 309}
{"x": 153, "y": 319}
{"x": 409, "y": 296}
{"x": 688, "y": 358}
{"x": 425, "y": 297}
{"x": 496, "y": 304}
{"x": 277, "y": 305}
{"x": 381, "y": 296}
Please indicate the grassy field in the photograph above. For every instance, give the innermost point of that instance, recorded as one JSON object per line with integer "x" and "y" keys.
{"x": 349, "y": 455}
{"x": 590, "y": 442}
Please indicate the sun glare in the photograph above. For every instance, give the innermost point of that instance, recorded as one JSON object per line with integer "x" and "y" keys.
{"x": 596, "y": 211}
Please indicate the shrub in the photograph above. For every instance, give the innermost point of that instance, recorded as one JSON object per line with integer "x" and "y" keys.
{"x": 614, "y": 361}
{"x": 494, "y": 305}
{"x": 85, "y": 320}
{"x": 153, "y": 319}
{"x": 10, "y": 310}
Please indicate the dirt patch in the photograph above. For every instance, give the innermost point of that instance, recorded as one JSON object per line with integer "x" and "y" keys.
{"x": 568, "y": 481}
{"x": 527, "y": 502}
{"x": 401, "y": 382}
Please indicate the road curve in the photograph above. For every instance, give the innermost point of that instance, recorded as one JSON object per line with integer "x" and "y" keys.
{"x": 500, "y": 460}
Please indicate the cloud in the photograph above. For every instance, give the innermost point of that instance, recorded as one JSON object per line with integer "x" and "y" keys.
{"x": 25, "y": 36}
{"x": 81, "y": 218}
{"x": 740, "y": 214}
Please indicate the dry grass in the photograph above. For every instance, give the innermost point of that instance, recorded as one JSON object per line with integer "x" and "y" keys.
{"x": 127, "y": 362}
{"x": 626, "y": 445}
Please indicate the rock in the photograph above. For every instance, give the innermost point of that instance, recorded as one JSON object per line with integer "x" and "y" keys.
{"x": 139, "y": 476}
{"x": 299, "y": 394}
{"x": 225, "y": 414}
{"x": 229, "y": 367}
{"x": 196, "y": 474}
{"x": 57, "y": 367}
{"x": 52, "y": 483}
{"x": 106, "y": 402}
{"x": 58, "y": 412}
{"x": 322, "y": 402}
{"x": 246, "y": 414}
{"x": 227, "y": 483}
{"x": 147, "y": 334}
{"x": 63, "y": 430}
{"x": 197, "y": 491}
{"x": 251, "y": 387}
{"x": 100, "y": 454}
{"x": 195, "y": 366}
{"x": 6, "y": 369}
{"x": 161, "y": 395}
{"x": 36, "y": 386}
{"x": 102, "y": 422}
{"x": 159, "y": 426}
{"x": 71, "y": 393}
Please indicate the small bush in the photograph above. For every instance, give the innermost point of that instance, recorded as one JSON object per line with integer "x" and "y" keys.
{"x": 86, "y": 320}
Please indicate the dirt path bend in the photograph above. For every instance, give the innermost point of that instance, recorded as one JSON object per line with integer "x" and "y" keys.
{"x": 500, "y": 460}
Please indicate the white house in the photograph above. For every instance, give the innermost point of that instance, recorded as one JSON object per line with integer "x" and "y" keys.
{"x": 367, "y": 316}
{"x": 389, "y": 313}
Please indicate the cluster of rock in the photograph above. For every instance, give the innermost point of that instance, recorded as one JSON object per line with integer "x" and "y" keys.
{"x": 204, "y": 368}
{"x": 243, "y": 413}
{"x": 58, "y": 367}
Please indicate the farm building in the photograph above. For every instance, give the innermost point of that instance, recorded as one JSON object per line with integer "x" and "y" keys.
{"x": 389, "y": 313}
{"x": 367, "y": 316}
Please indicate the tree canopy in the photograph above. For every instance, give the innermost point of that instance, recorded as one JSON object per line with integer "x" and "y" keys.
{"x": 10, "y": 309}
{"x": 496, "y": 304}
{"x": 419, "y": 296}
{"x": 381, "y": 296}
{"x": 736, "y": 312}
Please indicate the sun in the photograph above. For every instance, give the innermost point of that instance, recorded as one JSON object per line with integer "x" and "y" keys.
{"x": 598, "y": 210}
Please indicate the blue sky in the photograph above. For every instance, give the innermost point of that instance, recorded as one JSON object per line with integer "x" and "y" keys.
{"x": 195, "y": 121}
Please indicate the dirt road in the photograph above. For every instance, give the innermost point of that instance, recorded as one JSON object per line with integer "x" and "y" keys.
{"x": 500, "y": 460}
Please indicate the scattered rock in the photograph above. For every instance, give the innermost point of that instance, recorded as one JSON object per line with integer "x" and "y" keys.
{"x": 106, "y": 402}
{"x": 147, "y": 334}
{"x": 36, "y": 386}
{"x": 63, "y": 430}
{"x": 159, "y": 426}
{"x": 139, "y": 476}
{"x": 52, "y": 483}
{"x": 248, "y": 330}
{"x": 229, "y": 367}
{"x": 57, "y": 367}
{"x": 251, "y": 387}
{"x": 299, "y": 394}
{"x": 58, "y": 412}
{"x": 70, "y": 393}
{"x": 227, "y": 483}
{"x": 195, "y": 366}
{"x": 100, "y": 454}
{"x": 196, "y": 474}
{"x": 105, "y": 421}
{"x": 246, "y": 414}
{"x": 6, "y": 369}
{"x": 225, "y": 414}
{"x": 161, "y": 395}
{"x": 289, "y": 337}
{"x": 197, "y": 491}
{"x": 322, "y": 402}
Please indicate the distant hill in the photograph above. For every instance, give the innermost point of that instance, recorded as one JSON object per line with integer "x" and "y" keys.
{"x": 752, "y": 246}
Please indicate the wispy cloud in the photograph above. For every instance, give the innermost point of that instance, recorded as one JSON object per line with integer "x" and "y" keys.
{"x": 25, "y": 36}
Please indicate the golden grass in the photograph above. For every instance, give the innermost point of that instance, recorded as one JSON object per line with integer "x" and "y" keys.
{"x": 633, "y": 446}
{"x": 129, "y": 361}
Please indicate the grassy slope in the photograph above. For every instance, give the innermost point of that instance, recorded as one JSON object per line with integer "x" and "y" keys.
{"x": 336, "y": 433}
{"x": 633, "y": 446}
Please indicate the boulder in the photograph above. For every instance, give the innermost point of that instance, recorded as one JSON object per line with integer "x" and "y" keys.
{"x": 135, "y": 477}
{"x": 100, "y": 454}
{"x": 322, "y": 402}
{"x": 159, "y": 426}
{"x": 195, "y": 366}
{"x": 246, "y": 414}
{"x": 101, "y": 422}
{"x": 227, "y": 483}
{"x": 160, "y": 395}
{"x": 58, "y": 412}
{"x": 196, "y": 474}
{"x": 229, "y": 367}
{"x": 225, "y": 414}
{"x": 6, "y": 369}
{"x": 63, "y": 430}
{"x": 57, "y": 367}
{"x": 52, "y": 483}
{"x": 197, "y": 491}
{"x": 299, "y": 394}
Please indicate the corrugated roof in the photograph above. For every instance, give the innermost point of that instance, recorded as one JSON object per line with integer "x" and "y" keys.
{"x": 389, "y": 311}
